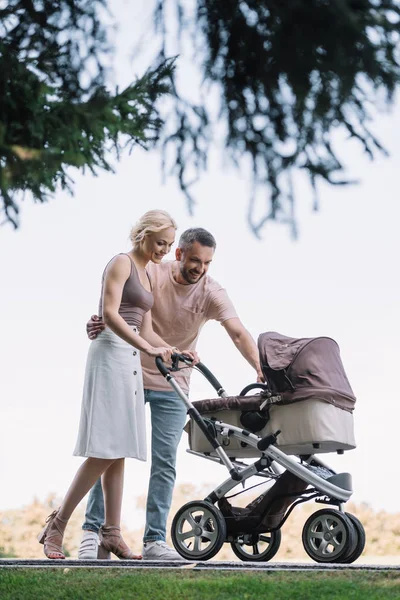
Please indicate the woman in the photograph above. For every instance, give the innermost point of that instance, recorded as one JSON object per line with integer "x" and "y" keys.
{"x": 112, "y": 424}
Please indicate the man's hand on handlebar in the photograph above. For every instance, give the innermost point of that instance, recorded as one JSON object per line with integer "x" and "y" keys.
{"x": 260, "y": 374}
{"x": 193, "y": 355}
{"x": 94, "y": 327}
{"x": 260, "y": 377}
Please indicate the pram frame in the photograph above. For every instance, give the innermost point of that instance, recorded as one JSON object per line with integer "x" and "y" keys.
{"x": 322, "y": 491}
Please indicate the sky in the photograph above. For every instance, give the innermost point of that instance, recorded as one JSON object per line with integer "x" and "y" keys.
{"x": 340, "y": 279}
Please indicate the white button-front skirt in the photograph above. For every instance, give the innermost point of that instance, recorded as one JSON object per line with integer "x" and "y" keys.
{"x": 112, "y": 423}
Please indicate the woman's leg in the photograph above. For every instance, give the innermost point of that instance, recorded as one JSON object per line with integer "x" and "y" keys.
{"x": 110, "y": 533}
{"x": 113, "y": 484}
{"x": 85, "y": 478}
{"x": 52, "y": 534}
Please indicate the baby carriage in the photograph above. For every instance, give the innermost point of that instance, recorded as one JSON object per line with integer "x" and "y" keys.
{"x": 303, "y": 409}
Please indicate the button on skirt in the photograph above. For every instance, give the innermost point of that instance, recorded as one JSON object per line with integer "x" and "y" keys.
{"x": 112, "y": 423}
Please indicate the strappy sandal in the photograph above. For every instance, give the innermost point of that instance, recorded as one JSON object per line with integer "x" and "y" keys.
{"x": 111, "y": 541}
{"x": 52, "y": 535}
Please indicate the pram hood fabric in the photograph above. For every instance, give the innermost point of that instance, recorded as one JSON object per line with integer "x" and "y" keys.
{"x": 303, "y": 368}
{"x": 295, "y": 369}
{"x": 241, "y": 403}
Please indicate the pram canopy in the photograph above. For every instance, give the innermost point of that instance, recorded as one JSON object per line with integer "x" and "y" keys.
{"x": 305, "y": 368}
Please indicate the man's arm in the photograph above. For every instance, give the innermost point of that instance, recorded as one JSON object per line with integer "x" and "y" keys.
{"x": 94, "y": 326}
{"x": 244, "y": 343}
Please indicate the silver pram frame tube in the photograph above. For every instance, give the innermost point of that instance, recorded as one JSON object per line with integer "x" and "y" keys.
{"x": 337, "y": 491}
{"x": 194, "y": 413}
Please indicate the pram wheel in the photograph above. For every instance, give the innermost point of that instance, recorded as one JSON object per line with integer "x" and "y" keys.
{"x": 360, "y": 537}
{"x": 257, "y": 546}
{"x": 328, "y": 536}
{"x": 198, "y": 530}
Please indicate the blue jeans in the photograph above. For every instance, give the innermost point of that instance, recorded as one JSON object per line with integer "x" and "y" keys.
{"x": 168, "y": 416}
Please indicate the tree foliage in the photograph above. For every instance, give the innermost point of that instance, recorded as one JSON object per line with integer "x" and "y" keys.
{"x": 288, "y": 73}
{"x": 55, "y": 111}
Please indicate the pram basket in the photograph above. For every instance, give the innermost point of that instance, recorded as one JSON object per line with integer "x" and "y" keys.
{"x": 308, "y": 398}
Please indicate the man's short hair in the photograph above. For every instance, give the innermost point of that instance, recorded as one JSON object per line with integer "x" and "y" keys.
{"x": 196, "y": 234}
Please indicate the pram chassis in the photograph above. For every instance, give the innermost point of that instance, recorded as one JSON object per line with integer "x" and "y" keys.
{"x": 209, "y": 525}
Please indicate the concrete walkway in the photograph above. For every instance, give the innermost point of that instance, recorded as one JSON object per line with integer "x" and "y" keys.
{"x": 197, "y": 566}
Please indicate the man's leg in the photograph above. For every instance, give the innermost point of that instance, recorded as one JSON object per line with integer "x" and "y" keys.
{"x": 168, "y": 416}
{"x": 94, "y": 519}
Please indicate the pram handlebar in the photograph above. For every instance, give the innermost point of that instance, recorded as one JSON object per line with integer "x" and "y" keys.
{"x": 176, "y": 358}
{"x": 192, "y": 411}
{"x": 161, "y": 366}
{"x": 254, "y": 386}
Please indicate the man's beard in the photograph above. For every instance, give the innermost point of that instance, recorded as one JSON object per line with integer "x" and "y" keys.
{"x": 188, "y": 277}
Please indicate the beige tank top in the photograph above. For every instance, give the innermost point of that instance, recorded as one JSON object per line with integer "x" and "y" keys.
{"x": 135, "y": 300}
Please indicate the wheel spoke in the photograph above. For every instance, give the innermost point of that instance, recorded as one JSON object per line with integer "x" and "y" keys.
{"x": 255, "y": 549}
{"x": 337, "y": 529}
{"x": 323, "y": 548}
{"x": 265, "y": 538}
{"x": 209, "y": 535}
{"x": 336, "y": 543}
{"x": 204, "y": 518}
{"x": 326, "y": 524}
{"x": 184, "y": 536}
{"x": 189, "y": 518}
{"x": 197, "y": 546}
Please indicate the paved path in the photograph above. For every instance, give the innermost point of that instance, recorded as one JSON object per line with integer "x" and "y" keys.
{"x": 199, "y": 566}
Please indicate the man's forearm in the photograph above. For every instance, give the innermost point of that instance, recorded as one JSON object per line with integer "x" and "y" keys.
{"x": 248, "y": 349}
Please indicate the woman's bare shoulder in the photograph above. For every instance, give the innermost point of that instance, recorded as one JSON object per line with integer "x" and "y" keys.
{"x": 119, "y": 265}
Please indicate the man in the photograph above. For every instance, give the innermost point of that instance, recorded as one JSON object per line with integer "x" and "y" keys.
{"x": 185, "y": 298}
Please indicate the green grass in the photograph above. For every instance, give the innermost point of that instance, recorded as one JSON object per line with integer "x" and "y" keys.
{"x": 122, "y": 584}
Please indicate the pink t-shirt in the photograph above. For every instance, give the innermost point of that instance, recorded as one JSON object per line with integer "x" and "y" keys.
{"x": 178, "y": 314}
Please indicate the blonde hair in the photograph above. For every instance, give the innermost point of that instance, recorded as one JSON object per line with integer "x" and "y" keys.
{"x": 151, "y": 222}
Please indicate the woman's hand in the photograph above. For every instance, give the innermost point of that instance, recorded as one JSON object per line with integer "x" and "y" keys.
{"x": 163, "y": 352}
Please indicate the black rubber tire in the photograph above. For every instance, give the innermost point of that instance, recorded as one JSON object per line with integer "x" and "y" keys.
{"x": 318, "y": 529}
{"x": 212, "y": 530}
{"x": 273, "y": 537}
{"x": 360, "y": 540}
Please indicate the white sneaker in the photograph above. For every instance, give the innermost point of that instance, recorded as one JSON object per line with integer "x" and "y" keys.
{"x": 159, "y": 550}
{"x": 89, "y": 546}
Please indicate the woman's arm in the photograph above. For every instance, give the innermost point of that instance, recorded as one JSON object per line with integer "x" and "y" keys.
{"x": 147, "y": 332}
{"x": 115, "y": 277}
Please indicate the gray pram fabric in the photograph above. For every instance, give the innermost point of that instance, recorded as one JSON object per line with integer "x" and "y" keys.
{"x": 303, "y": 368}
{"x": 295, "y": 369}
{"x": 308, "y": 398}
{"x": 242, "y": 403}
{"x": 267, "y": 510}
